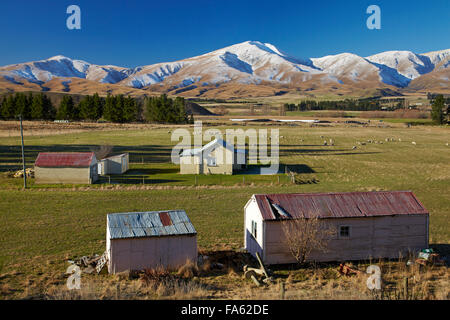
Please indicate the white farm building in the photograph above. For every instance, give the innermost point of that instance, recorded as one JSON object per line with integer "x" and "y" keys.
{"x": 145, "y": 240}
{"x": 116, "y": 164}
{"x": 215, "y": 157}
{"x": 366, "y": 224}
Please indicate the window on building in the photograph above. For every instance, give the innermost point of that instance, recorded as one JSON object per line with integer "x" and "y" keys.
{"x": 212, "y": 162}
{"x": 344, "y": 231}
{"x": 254, "y": 229}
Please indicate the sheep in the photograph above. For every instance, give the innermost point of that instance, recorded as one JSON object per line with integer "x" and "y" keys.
{"x": 325, "y": 143}
{"x": 414, "y": 143}
{"x": 354, "y": 147}
{"x": 399, "y": 140}
{"x": 331, "y": 142}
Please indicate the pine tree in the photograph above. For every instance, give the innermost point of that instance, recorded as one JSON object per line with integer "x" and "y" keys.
{"x": 86, "y": 109}
{"x": 22, "y": 105}
{"x": 180, "y": 109}
{"x": 130, "y": 109}
{"x": 49, "y": 109}
{"x": 166, "y": 110}
{"x": 119, "y": 109}
{"x": 66, "y": 109}
{"x": 97, "y": 106}
{"x": 108, "y": 109}
{"x": 437, "y": 112}
{"x": 37, "y": 107}
{"x": 8, "y": 110}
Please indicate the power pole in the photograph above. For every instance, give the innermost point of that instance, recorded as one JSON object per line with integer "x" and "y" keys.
{"x": 23, "y": 156}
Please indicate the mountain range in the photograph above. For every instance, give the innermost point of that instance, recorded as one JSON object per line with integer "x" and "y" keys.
{"x": 250, "y": 68}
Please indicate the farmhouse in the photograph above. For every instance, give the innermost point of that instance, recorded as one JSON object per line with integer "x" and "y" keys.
{"x": 116, "y": 164}
{"x": 366, "y": 224}
{"x": 142, "y": 240}
{"x": 66, "y": 167}
{"x": 216, "y": 157}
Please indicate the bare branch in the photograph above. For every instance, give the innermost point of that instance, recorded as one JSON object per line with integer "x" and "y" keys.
{"x": 302, "y": 236}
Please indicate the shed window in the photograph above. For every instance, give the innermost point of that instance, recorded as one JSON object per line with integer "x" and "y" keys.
{"x": 254, "y": 229}
{"x": 212, "y": 162}
{"x": 344, "y": 231}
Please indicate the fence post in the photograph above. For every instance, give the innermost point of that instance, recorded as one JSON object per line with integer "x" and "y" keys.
{"x": 405, "y": 293}
{"x": 282, "y": 291}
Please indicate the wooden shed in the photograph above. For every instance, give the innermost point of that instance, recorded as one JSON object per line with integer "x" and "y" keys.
{"x": 116, "y": 164}
{"x": 215, "y": 157}
{"x": 143, "y": 240}
{"x": 66, "y": 167}
{"x": 366, "y": 224}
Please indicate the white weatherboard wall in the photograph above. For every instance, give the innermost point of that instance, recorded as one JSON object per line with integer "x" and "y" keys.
{"x": 251, "y": 213}
{"x": 169, "y": 252}
{"x": 114, "y": 165}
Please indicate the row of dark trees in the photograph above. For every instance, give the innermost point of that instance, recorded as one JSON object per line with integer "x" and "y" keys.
{"x": 344, "y": 105}
{"x": 167, "y": 110}
{"x": 29, "y": 106}
{"x": 113, "y": 108}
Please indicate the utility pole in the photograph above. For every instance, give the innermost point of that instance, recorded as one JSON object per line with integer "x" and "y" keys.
{"x": 23, "y": 156}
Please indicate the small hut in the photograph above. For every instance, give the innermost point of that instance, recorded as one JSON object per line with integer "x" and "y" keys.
{"x": 145, "y": 240}
{"x": 116, "y": 164}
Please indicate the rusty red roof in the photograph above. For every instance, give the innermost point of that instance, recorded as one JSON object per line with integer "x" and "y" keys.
{"x": 338, "y": 205}
{"x": 64, "y": 159}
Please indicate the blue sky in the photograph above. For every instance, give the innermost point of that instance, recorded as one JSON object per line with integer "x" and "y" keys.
{"x": 130, "y": 33}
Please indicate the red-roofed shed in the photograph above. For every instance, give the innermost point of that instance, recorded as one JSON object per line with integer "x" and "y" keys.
{"x": 367, "y": 225}
{"x": 66, "y": 167}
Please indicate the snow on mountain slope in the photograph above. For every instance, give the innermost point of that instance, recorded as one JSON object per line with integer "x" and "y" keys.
{"x": 247, "y": 62}
{"x": 62, "y": 67}
{"x": 406, "y": 63}
{"x": 441, "y": 59}
{"x": 250, "y": 62}
{"x": 346, "y": 65}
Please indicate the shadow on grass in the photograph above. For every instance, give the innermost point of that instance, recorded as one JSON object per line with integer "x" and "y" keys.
{"x": 12, "y": 155}
{"x": 133, "y": 180}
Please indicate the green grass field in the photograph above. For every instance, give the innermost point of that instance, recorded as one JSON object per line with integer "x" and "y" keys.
{"x": 44, "y": 225}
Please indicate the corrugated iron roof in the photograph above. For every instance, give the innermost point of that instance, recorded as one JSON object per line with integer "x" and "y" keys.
{"x": 64, "y": 159}
{"x": 340, "y": 205}
{"x": 149, "y": 224}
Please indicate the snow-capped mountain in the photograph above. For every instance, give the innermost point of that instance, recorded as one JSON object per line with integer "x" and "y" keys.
{"x": 250, "y": 62}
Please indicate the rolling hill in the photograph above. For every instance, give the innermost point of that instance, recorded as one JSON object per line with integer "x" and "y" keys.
{"x": 248, "y": 69}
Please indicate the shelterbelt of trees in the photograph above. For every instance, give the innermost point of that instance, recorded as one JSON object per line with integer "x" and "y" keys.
{"x": 344, "y": 105}
{"x": 93, "y": 108}
{"x": 355, "y": 104}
